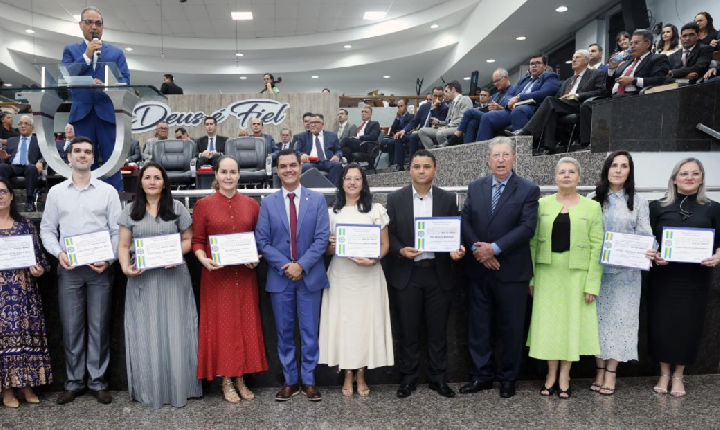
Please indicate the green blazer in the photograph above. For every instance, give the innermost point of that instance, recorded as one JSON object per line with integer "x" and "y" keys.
{"x": 586, "y": 238}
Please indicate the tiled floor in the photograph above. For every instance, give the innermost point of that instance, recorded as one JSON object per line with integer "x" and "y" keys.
{"x": 633, "y": 406}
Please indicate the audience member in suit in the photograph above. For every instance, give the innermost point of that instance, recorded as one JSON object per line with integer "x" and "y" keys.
{"x": 423, "y": 281}
{"x": 182, "y": 134}
{"x": 707, "y": 35}
{"x": 439, "y": 132}
{"x": 169, "y": 86}
{"x": 92, "y": 112}
{"x": 498, "y": 221}
{"x": 292, "y": 235}
{"x": 596, "y": 58}
{"x": 257, "y": 126}
{"x": 368, "y": 131}
{"x": 402, "y": 119}
{"x": 535, "y": 86}
{"x": 322, "y": 145}
{"x": 21, "y": 157}
{"x": 711, "y": 75}
{"x": 161, "y": 133}
{"x": 470, "y": 122}
{"x": 483, "y": 100}
{"x": 63, "y": 145}
{"x": 693, "y": 60}
{"x": 6, "y": 127}
{"x": 210, "y": 147}
{"x": 433, "y": 107}
{"x": 135, "y": 155}
{"x": 306, "y": 124}
{"x": 344, "y": 127}
{"x": 285, "y": 141}
{"x": 584, "y": 84}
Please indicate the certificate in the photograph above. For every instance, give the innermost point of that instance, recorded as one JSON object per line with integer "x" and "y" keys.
{"x": 356, "y": 240}
{"x": 437, "y": 234}
{"x": 17, "y": 252}
{"x": 626, "y": 250}
{"x": 89, "y": 248}
{"x": 687, "y": 245}
{"x": 158, "y": 251}
{"x": 233, "y": 249}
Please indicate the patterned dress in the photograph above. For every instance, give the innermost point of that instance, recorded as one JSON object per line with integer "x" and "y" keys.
{"x": 618, "y": 304}
{"x": 24, "y": 356}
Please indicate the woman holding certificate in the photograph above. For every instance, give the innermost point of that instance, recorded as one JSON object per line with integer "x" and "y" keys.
{"x": 160, "y": 313}
{"x": 567, "y": 274}
{"x": 678, "y": 293}
{"x": 231, "y": 338}
{"x": 24, "y": 356}
{"x": 355, "y": 328}
{"x": 618, "y": 304}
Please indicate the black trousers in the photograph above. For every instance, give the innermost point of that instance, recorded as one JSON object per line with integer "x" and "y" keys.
{"x": 201, "y": 161}
{"x": 350, "y": 145}
{"x": 491, "y": 301}
{"x": 423, "y": 301}
{"x": 28, "y": 171}
{"x": 546, "y": 118}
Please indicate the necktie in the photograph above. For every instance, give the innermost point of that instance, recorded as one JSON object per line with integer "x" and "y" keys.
{"x": 293, "y": 227}
{"x": 360, "y": 129}
{"x": 628, "y": 71}
{"x": 23, "y": 151}
{"x": 211, "y": 147}
{"x": 684, "y": 57}
{"x": 572, "y": 84}
{"x": 497, "y": 192}
{"x": 319, "y": 149}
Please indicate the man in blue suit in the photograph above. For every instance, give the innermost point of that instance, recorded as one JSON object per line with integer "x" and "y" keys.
{"x": 534, "y": 86}
{"x": 257, "y": 126}
{"x": 498, "y": 220}
{"x": 323, "y": 146}
{"x": 21, "y": 157}
{"x": 92, "y": 112}
{"x": 292, "y": 236}
{"x": 435, "y": 107}
{"x": 402, "y": 119}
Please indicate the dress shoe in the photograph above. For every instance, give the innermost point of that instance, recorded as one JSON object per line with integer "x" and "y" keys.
{"x": 29, "y": 207}
{"x": 507, "y": 390}
{"x": 520, "y": 132}
{"x": 102, "y": 396}
{"x": 312, "y": 393}
{"x": 476, "y": 386}
{"x": 405, "y": 390}
{"x": 286, "y": 392}
{"x": 443, "y": 389}
{"x": 454, "y": 140}
{"x": 67, "y": 396}
{"x": 578, "y": 147}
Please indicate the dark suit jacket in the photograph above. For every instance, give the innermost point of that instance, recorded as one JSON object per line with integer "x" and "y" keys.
{"x": 371, "y": 132}
{"x": 60, "y": 145}
{"x": 545, "y": 85}
{"x": 592, "y": 84}
{"x": 13, "y": 145}
{"x": 698, "y": 61}
{"x": 202, "y": 144}
{"x": 331, "y": 144}
{"x": 135, "y": 154}
{"x": 400, "y": 123}
{"x": 511, "y": 227}
{"x": 297, "y": 137}
{"x": 653, "y": 69}
{"x": 402, "y": 234}
{"x": 418, "y": 120}
{"x": 170, "y": 88}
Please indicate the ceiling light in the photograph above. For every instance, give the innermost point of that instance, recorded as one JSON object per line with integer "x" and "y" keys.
{"x": 29, "y": 31}
{"x": 128, "y": 49}
{"x": 520, "y": 38}
{"x": 434, "y": 26}
{"x": 568, "y": 62}
{"x": 241, "y": 16}
{"x": 347, "y": 46}
{"x": 490, "y": 60}
{"x": 561, "y": 9}
{"x": 77, "y": 18}
{"x": 239, "y": 54}
{"x": 314, "y": 76}
{"x": 374, "y": 15}
{"x": 243, "y": 77}
{"x": 386, "y": 76}
{"x": 7, "y": 84}
{"x": 466, "y": 78}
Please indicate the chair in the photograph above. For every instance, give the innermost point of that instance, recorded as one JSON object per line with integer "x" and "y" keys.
{"x": 251, "y": 153}
{"x": 175, "y": 156}
{"x": 370, "y": 153}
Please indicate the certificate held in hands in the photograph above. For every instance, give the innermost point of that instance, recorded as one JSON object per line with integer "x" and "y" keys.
{"x": 158, "y": 251}
{"x": 687, "y": 245}
{"x": 357, "y": 240}
{"x": 233, "y": 249}
{"x": 626, "y": 250}
{"x": 17, "y": 252}
{"x": 89, "y": 248}
{"x": 437, "y": 234}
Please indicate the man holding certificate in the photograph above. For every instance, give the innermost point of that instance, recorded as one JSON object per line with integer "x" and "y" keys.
{"x": 85, "y": 210}
{"x": 499, "y": 218}
{"x": 423, "y": 280}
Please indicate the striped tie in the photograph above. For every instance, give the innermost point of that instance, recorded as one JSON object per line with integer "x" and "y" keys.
{"x": 497, "y": 192}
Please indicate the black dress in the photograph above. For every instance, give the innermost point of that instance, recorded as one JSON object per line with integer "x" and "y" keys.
{"x": 678, "y": 293}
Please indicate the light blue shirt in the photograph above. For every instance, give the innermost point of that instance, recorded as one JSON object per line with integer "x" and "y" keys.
{"x": 16, "y": 158}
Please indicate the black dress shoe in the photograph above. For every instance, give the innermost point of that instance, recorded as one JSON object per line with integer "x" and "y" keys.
{"x": 521, "y": 132}
{"x": 67, "y": 396}
{"x": 406, "y": 390}
{"x": 507, "y": 390}
{"x": 102, "y": 396}
{"x": 578, "y": 147}
{"x": 29, "y": 207}
{"x": 442, "y": 389}
{"x": 476, "y": 386}
{"x": 455, "y": 140}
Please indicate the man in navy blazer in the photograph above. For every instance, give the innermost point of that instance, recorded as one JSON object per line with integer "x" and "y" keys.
{"x": 434, "y": 107}
{"x": 63, "y": 145}
{"x": 292, "y": 236}
{"x": 534, "y": 86}
{"x": 21, "y": 157}
{"x": 367, "y": 131}
{"x": 322, "y": 145}
{"x": 402, "y": 119}
{"x": 498, "y": 221}
{"x": 92, "y": 112}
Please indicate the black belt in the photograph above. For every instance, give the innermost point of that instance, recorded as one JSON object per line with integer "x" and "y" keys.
{"x": 428, "y": 262}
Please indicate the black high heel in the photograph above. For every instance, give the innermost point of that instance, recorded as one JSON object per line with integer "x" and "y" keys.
{"x": 595, "y": 386}
{"x": 607, "y": 391}
{"x": 551, "y": 391}
{"x": 568, "y": 392}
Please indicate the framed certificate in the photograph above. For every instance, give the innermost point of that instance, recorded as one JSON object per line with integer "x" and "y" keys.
{"x": 626, "y": 250}
{"x": 17, "y": 252}
{"x": 437, "y": 234}
{"x": 358, "y": 240}
{"x": 233, "y": 249}
{"x": 158, "y": 251}
{"x": 686, "y": 244}
{"x": 89, "y": 248}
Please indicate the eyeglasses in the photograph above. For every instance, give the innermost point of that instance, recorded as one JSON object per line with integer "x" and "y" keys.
{"x": 90, "y": 22}
{"x": 21, "y": 123}
{"x": 4, "y": 192}
{"x": 686, "y": 175}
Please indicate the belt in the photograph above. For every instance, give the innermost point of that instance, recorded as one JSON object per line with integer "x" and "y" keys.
{"x": 428, "y": 262}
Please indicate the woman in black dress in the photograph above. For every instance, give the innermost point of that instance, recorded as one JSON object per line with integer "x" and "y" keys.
{"x": 678, "y": 294}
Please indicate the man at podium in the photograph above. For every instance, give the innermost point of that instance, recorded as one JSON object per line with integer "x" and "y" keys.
{"x": 92, "y": 111}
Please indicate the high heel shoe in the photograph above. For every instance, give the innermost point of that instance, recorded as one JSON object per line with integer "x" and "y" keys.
{"x": 348, "y": 391}
{"x": 363, "y": 391}
{"x": 605, "y": 390}
{"x": 229, "y": 392}
{"x": 678, "y": 393}
{"x": 11, "y": 402}
{"x": 567, "y": 392}
{"x": 662, "y": 390}
{"x": 595, "y": 386}
{"x": 550, "y": 391}
{"x": 243, "y": 390}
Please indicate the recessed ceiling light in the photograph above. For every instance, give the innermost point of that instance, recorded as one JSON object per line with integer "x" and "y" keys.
{"x": 490, "y": 60}
{"x": 77, "y": 18}
{"x": 466, "y": 78}
{"x": 520, "y": 38}
{"x": 243, "y": 77}
{"x": 434, "y": 26}
{"x": 568, "y": 62}
{"x": 29, "y": 31}
{"x": 374, "y": 15}
{"x": 7, "y": 84}
{"x": 386, "y": 76}
{"x": 561, "y": 9}
{"x": 241, "y": 16}
{"x": 347, "y": 46}
{"x": 128, "y": 49}
{"x": 314, "y": 76}
{"x": 239, "y": 54}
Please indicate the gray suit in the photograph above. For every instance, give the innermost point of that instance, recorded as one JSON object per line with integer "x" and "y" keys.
{"x": 350, "y": 130}
{"x": 428, "y": 135}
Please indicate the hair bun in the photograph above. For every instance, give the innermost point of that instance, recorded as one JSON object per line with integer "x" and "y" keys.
{"x": 278, "y": 80}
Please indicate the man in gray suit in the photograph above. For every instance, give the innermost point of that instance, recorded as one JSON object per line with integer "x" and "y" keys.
{"x": 344, "y": 127}
{"x": 441, "y": 130}
{"x": 161, "y": 133}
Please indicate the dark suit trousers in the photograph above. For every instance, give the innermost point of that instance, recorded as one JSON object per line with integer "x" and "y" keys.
{"x": 201, "y": 161}
{"x": 29, "y": 171}
{"x": 423, "y": 301}
{"x": 546, "y": 119}
{"x": 103, "y": 133}
{"x": 351, "y": 145}
{"x": 491, "y": 299}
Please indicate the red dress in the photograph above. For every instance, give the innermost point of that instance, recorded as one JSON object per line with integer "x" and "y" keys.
{"x": 230, "y": 336}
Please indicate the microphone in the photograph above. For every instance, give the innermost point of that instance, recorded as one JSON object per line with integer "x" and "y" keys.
{"x": 96, "y": 54}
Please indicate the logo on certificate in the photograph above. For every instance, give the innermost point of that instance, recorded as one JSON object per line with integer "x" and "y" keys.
{"x": 71, "y": 249}
{"x": 421, "y": 233}
{"x": 140, "y": 251}
{"x": 214, "y": 248}
{"x": 608, "y": 245}
{"x": 341, "y": 239}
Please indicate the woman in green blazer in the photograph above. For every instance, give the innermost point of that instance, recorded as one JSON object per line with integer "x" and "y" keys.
{"x": 567, "y": 274}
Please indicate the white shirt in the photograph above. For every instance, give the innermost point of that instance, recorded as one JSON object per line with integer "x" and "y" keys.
{"x": 422, "y": 207}
{"x": 590, "y": 66}
{"x": 89, "y": 60}
{"x": 638, "y": 81}
{"x": 574, "y": 88}
{"x": 314, "y": 152}
{"x": 361, "y": 129}
{"x": 287, "y": 202}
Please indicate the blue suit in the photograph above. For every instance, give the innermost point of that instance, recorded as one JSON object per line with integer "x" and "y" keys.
{"x": 388, "y": 144}
{"x": 470, "y": 121}
{"x": 295, "y": 300}
{"x": 546, "y": 85}
{"x": 92, "y": 112}
{"x": 331, "y": 147}
{"x": 415, "y": 123}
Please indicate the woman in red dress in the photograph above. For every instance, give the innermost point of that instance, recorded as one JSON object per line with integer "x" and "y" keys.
{"x": 230, "y": 336}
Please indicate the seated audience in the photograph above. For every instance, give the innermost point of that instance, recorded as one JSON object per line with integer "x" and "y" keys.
{"x": 6, "y": 128}
{"x": 344, "y": 127}
{"x": 182, "y": 134}
{"x": 135, "y": 154}
{"x": 243, "y": 133}
{"x": 63, "y": 145}
{"x": 306, "y": 124}
{"x": 439, "y": 132}
{"x": 402, "y": 119}
{"x": 669, "y": 40}
{"x": 711, "y": 75}
{"x": 285, "y": 140}
{"x": 483, "y": 100}
{"x": 622, "y": 43}
{"x": 322, "y": 147}
{"x": 368, "y": 131}
{"x": 21, "y": 157}
{"x": 169, "y": 86}
{"x": 596, "y": 58}
{"x": 257, "y": 126}
{"x": 693, "y": 60}
{"x": 211, "y": 146}
{"x": 433, "y": 107}
{"x": 707, "y": 35}
{"x": 161, "y": 133}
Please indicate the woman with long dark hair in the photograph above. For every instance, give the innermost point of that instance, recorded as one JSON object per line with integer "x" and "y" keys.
{"x": 355, "y": 328}
{"x": 669, "y": 40}
{"x": 269, "y": 81}
{"x": 160, "y": 312}
{"x": 708, "y": 35}
{"x": 24, "y": 356}
{"x": 618, "y": 304}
